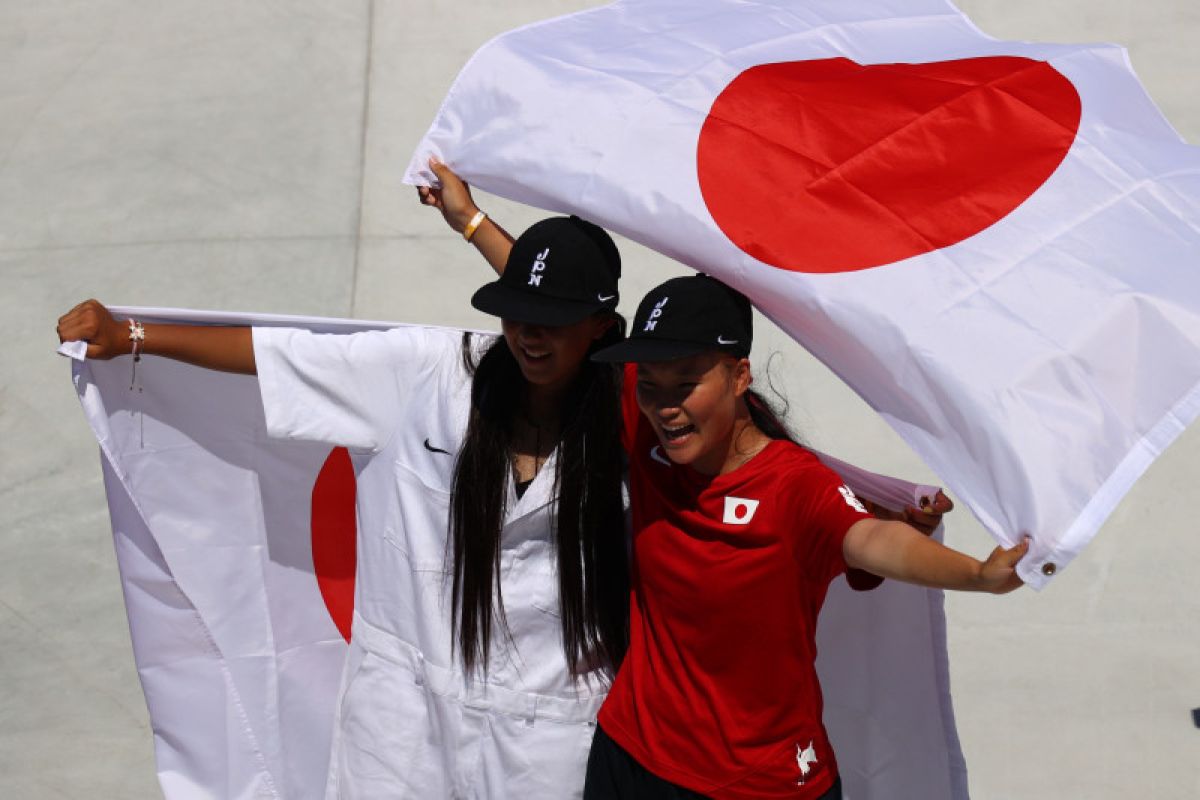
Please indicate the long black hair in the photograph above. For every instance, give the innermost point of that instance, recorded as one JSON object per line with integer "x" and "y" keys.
{"x": 589, "y": 524}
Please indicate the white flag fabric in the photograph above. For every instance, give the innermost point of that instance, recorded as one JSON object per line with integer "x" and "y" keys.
{"x": 994, "y": 243}
{"x": 239, "y": 658}
{"x": 236, "y": 554}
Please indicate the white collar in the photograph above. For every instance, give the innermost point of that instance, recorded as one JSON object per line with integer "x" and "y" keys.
{"x": 539, "y": 493}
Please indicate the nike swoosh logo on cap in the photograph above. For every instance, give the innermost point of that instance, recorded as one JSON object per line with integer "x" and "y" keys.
{"x": 605, "y": 298}
{"x": 656, "y": 454}
{"x": 723, "y": 340}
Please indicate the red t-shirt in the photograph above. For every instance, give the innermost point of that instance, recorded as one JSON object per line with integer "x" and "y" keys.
{"x": 718, "y": 692}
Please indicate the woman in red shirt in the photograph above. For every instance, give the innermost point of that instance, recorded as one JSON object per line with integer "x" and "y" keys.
{"x": 737, "y": 533}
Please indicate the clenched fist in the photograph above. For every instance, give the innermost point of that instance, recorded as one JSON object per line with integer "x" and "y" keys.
{"x": 91, "y": 322}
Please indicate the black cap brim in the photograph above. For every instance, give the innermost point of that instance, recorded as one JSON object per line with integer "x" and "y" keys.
{"x": 507, "y": 303}
{"x": 648, "y": 350}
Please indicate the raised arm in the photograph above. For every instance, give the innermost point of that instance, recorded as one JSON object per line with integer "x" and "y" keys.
{"x": 896, "y": 550}
{"x": 458, "y": 208}
{"x": 229, "y": 349}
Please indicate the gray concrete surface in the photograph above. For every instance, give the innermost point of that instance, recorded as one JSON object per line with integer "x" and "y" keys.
{"x": 246, "y": 155}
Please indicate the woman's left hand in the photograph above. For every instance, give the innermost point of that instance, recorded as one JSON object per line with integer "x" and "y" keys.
{"x": 998, "y": 574}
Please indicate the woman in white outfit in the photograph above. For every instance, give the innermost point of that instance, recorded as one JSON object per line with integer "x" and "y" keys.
{"x": 492, "y": 590}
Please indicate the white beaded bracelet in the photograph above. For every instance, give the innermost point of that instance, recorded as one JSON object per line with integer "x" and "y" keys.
{"x": 137, "y": 335}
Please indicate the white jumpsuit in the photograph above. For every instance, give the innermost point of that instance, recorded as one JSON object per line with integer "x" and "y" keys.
{"x": 409, "y": 724}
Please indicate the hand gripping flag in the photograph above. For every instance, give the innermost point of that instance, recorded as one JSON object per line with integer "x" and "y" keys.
{"x": 994, "y": 243}
{"x": 237, "y": 558}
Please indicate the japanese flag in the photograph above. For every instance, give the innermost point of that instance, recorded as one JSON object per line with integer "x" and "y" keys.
{"x": 237, "y": 558}
{"x": 994, "y": 243}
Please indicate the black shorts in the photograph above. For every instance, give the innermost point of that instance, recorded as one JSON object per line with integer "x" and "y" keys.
{"x": 613, "y": 774}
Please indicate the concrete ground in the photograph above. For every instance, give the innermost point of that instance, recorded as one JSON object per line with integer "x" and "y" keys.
{"x": 246, "y": 154}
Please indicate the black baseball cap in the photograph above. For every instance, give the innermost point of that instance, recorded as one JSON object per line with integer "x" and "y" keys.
{"x": 685, "y": 316}
{"x": 559, "y": 272}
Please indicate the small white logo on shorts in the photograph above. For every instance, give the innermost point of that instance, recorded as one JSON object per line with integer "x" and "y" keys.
{"x": 805, "y": 759}
{"x": 851, "y": 500}
{"x": 739, "y": 511}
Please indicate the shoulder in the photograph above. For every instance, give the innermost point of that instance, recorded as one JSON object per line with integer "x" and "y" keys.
{"x": 405, "y": 356}
{"x": 442, "y": 357}
{"x": 401, "y": 338}
{"x": 441, "y": 340}
{"x": 802, "y": 476}
{"x": 420, "y": 348}
{"x": 796, "y": 462}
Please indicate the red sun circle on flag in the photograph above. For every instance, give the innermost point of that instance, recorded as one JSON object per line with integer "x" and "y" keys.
{"x": 334, "y": 536}
{"x": 832, "y": 166}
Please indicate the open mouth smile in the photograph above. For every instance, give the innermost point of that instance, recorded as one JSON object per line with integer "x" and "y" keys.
{"x": 675, "y": 435}
{"x": 534, "y": 356}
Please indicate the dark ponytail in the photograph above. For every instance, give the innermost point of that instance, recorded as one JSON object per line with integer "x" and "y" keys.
{"x": 766, "y": 416}
{"x": 589, "y": 527}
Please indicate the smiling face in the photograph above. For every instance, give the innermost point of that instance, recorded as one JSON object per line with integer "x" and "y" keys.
{"x": 550, "y": 355}
{"x": 694, "y": 404}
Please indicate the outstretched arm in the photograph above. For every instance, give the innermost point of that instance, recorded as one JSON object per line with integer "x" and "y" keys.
{"x": 229, "y": 349}
{"x": 896, "y": 550}
{"x": 458, "y": 208}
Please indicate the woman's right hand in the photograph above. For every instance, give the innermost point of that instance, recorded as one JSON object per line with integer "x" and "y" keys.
{"x": 91, "y": 322}
{"x": 452, "y": 198}
{"x": 224, "y": 348}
